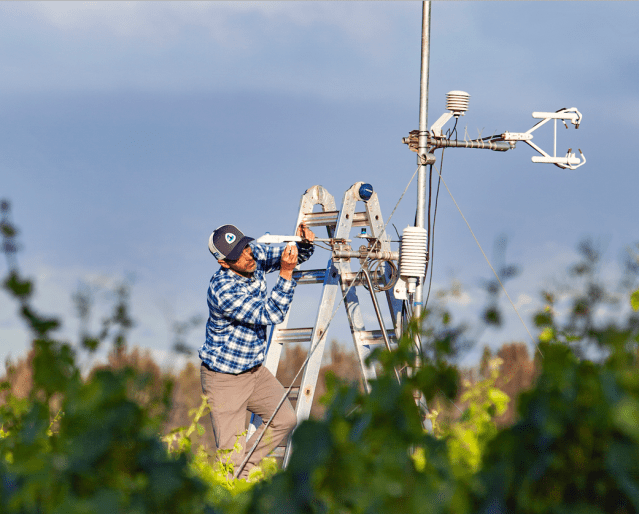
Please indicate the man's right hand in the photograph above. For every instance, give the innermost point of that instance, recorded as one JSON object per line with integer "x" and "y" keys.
{"x": 288, "y": 261}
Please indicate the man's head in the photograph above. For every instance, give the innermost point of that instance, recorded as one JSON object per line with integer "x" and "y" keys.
{"x": 230, "y": 247}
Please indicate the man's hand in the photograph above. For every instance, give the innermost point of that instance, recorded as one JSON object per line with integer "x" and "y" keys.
{"x": 288, "y": 261}
{"x": 305, "y": 233}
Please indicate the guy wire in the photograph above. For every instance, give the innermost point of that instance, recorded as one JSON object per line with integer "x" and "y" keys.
{"x": 491, "y": 266}
{"x": 431, "y": 234}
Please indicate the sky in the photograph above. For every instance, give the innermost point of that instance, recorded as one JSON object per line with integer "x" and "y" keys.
{"x": 130, "y": 130}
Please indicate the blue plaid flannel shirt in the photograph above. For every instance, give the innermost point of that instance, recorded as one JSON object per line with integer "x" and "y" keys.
{"x": 240, "y": 309}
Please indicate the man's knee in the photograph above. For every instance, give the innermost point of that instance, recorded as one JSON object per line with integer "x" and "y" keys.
{"x": 285, "y": 419}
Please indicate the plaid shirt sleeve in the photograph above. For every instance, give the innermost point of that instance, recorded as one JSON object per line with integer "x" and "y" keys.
{"x": 305, "y": 250}
{"x": 240, "y": 309}
{"x": 235, "y": 302}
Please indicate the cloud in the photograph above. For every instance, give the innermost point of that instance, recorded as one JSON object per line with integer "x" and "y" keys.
{"x": 328, "y": 49}
{"x": 233, "y": 24}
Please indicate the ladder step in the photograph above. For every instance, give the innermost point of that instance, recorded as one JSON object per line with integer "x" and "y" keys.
{"x": 329, "y": 219}
{"x": 309, "y": 276}
{"x": 292, "y": 335}
{"x": 372, "y": 337}
{"x": 294, "y": 394}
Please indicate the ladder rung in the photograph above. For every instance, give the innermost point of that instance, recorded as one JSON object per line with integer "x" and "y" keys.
{"x": 329, "y": 219}
{"x": 375, "y": 336}
{"x": 292, "y": 335}
{"x": 309, "y": 276}
{"x": 294, "y": 394}
{"x": 321, "y": 219}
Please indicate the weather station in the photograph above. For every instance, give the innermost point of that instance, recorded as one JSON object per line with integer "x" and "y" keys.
{"x": 368, "y": 258}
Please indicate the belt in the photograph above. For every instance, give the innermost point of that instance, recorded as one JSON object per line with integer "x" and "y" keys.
{"x": 250, "y": 370}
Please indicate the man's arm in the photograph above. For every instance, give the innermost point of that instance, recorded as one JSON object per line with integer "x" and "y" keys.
{"x": 273, "y": 255}
{"x": 304, "y": 252}
{"x": 230, "y": 300}
{"x": 288, "y": 261}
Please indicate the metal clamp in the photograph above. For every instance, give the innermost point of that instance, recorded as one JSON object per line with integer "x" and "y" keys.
{"x": 342, "y": 252}
{"x": 426, "y": 158}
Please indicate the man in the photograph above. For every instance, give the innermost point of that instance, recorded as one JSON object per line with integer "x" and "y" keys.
{"x": 233, "y": 378}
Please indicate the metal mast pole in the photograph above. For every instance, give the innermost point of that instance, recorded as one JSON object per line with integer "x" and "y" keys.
{"x": 423, "y": 161}
{"x": 422, "y": 150}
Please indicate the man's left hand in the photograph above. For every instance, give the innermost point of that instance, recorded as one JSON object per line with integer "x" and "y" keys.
{"x": 305, "y": 233}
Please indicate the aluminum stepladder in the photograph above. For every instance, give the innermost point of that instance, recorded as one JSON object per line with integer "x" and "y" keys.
{"x": 339, "y": 281}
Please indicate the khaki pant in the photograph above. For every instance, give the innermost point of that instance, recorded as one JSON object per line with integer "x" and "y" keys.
{"x": 230, "y": 396}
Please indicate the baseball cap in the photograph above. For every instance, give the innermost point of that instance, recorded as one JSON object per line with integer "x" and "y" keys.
{"x": 228, "y": 242}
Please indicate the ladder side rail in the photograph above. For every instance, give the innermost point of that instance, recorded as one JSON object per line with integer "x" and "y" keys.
{"x": 339, "y": 273}
{"x": 377, "y": 222}
{"x": 311, "y": 197}
{"x": 395, "y": 308}
{"x": 271, "y": 361}
{"x": 275, "y": 347}
{"x": 315, "y": 195}
{"x": 318, "y": 342}
{"x": 333, "y": 279}
{"x": 374, "y": 212}
{"x": 351, "y": 300}
{"x": 356, "y": 322}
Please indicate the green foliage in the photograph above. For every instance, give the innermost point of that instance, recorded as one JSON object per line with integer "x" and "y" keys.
{"x": 634, "y": 300}
{"x": 178, "y": 440}
{"x": 575, "y": 447}
{"x": 467, "y": 437}
{"x": 224, "y": 491}
{"x": 86, "y": 445}
{"x": 104, "y": 454}
{"x": 370, "y": 453}
{"x": 20, "y": 287}
{"x": 98, "y": 451}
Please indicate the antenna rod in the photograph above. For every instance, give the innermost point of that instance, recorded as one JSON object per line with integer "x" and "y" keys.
{"x": 422, "y": 143}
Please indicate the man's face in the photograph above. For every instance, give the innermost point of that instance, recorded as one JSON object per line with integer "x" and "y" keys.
{"x": 244, "y": 265}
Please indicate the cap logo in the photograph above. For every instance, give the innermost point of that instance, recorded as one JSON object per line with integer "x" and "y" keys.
{"x": 229, "y": 237}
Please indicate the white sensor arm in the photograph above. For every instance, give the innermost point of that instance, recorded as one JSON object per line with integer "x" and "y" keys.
{"x": 569, "y": 161}
{"x": 436, "y": 128}
{"x": 271, "y": 239}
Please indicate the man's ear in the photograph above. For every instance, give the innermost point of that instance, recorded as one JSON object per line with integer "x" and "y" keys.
{"x": 223, "y": 263}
